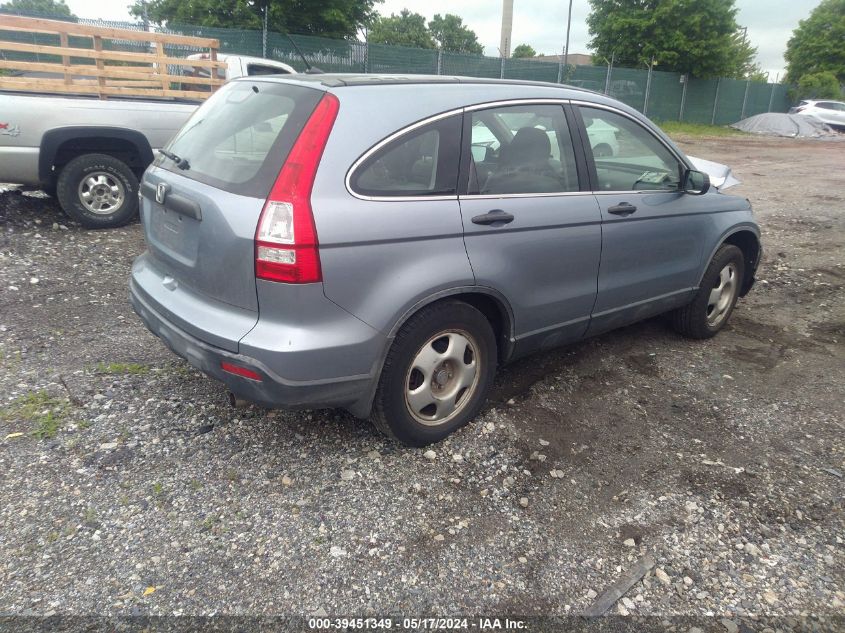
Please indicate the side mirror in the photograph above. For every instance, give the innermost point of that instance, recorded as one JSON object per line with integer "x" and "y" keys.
{"x": 696, "y": 183}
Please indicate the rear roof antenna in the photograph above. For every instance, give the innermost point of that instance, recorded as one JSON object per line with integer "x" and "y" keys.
{"x": 309, "y": 69}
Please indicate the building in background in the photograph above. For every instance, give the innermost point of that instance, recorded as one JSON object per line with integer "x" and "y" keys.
{"x": 575, "y": 59}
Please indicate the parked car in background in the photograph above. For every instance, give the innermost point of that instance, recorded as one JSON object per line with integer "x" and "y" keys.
{"x": 603, "y": 137}
{"x": 830, "y": 112}
{"x": 90, "y": 153}
{"x": 236, "y": 66}
{"x": 385, "y": 252}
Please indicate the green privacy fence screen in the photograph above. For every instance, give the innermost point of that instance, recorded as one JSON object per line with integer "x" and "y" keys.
{"x": 661, "y": 95}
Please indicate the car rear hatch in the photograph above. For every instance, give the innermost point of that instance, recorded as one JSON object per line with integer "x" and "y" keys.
{"x": 201, "y": 202}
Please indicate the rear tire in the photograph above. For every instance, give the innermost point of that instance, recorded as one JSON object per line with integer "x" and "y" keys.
{"x": 436, "y": 375}
{"x": 714, "y": 302}
{"x": 98, "y": 191}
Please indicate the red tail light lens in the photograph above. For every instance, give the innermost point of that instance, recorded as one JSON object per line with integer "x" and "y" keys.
{"x": 238, "y": 370}
{"x": 286, "y": 248}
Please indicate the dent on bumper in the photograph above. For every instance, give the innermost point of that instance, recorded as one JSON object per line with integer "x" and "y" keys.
{"x": 273, "y": 390}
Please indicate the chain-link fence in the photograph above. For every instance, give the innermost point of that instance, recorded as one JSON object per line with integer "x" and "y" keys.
{"x": 660, "y": 95}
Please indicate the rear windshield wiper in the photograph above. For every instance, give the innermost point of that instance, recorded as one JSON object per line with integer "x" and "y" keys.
{"x": 181, "y": 163}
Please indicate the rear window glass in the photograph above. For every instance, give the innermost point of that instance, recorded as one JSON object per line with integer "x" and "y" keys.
{"x": 238, "y": 139}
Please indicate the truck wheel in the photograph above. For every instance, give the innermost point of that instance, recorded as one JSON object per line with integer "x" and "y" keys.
{"x": 98, "y": 191}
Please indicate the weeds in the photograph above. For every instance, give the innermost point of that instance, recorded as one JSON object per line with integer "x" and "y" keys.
{"x": 45, "y": 412}
{"x": 678, "y": 128}
{"x": 133, "y": 369}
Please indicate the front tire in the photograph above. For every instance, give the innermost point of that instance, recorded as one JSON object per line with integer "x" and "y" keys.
{"x": 437, "y": 374}
{"x": 98, "y": 191}
{"x": 714, "y": 302}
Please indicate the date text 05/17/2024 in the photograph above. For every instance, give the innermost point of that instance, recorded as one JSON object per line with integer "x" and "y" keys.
{"x": 416, "y": 624}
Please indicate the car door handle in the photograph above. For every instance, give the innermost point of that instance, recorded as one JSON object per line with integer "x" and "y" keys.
{"x": 496, "y": 217}
{"x": 623, "y": 208}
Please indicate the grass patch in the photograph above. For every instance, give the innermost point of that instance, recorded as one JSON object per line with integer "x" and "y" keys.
{"x": 678, "y": 128}
{"x": 11, "y": 360}
{"x": 45, "y": 412}
{"x": 122, "y": 368}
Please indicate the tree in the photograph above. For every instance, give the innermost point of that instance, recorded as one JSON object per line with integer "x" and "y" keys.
{"x": 451, "y": 35}
{"x": 330, "y": 18}
{"x": 686, "y": 36}
{"x": 817, "y": 44}
{"x": 522, "y": 51}
{"x": 405, "y": 29}
{"x": 823, "y": 85}
{"x": 38, "y": 7}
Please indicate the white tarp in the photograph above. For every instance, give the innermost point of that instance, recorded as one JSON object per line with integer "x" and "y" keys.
{"x": 789, "y": 125}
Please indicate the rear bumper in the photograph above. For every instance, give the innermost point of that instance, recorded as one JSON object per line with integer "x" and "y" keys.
{"x": 273, "y": 390}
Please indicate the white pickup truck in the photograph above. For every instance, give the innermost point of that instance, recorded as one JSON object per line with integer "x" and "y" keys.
{"x": 90, "y": 153}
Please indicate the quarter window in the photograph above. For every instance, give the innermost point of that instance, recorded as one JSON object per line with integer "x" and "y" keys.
{"x": 423, "y": 162}
{"x": 627, "y": 156}
{"x": 521, "y": 150}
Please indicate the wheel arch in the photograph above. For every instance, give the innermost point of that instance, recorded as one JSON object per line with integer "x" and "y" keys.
{"x": 489, "y": 301}
{"x": 747, "y": 239}
{"x": 61, "y": 145}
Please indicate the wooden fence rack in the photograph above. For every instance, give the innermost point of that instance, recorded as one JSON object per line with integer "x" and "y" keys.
{"x": 137, "y": 74}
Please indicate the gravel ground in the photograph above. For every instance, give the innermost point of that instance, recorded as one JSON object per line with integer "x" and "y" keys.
{"x": 129, "y": 487}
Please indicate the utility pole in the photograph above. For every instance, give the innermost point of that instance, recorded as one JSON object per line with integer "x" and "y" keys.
{"x": 566, "y": 47}
{"x": 264, "y": 32}
{"x": 507, "y": 28}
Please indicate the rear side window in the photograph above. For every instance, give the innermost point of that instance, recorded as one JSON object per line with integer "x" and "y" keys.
{"x": 521, "y": 150}
{"x": 422, "y": 162}
{"x": 239, "y": 139}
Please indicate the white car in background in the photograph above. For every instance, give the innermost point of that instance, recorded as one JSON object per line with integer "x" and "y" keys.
{"x": 603, "y": 138}
{"x": 831, "y": 112}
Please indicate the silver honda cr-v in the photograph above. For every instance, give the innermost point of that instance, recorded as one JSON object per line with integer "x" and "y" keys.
{"x": 383, "y": 243}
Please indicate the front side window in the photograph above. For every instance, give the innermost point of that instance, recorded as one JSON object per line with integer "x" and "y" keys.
{"x": 422, "y": 162}
{"x": 521, "y": 150}
{"x": 627, "y": 156}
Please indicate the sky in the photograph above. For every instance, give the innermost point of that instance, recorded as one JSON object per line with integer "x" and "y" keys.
{"x": 542, "y": 23}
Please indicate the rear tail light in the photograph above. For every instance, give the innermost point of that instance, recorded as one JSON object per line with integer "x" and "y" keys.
{"x": 286, "y": 248}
